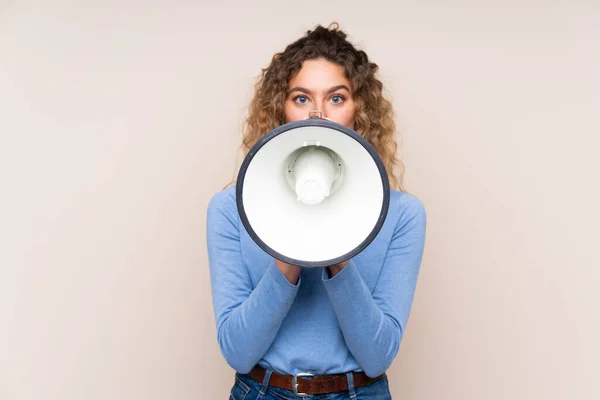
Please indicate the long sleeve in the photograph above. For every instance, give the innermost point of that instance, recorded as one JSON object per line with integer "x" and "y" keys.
{"x": 247, "y": 318}
{"x": 373, "y": 323}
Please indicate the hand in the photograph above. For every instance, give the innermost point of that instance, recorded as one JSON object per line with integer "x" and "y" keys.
{"x": 336, "y": 268}
{"x": 291, "y": 272}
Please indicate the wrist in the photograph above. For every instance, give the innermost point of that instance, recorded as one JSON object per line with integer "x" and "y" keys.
{"x": 291, "y": 272}
{"x": 336, "y": 268}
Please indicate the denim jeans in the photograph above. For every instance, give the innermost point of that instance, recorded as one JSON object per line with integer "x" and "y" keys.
{"x": 246, "y": 388}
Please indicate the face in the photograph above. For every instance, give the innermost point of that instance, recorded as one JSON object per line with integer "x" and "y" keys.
{"x": 320, "y": 85}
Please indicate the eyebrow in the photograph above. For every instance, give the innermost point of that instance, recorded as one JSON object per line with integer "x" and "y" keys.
{"x": 331, "y": 89}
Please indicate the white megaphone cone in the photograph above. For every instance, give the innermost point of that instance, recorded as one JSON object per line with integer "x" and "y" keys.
{"x": 312, "y": 193}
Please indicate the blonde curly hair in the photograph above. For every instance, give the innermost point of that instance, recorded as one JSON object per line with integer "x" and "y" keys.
{"x": 374, "y": 116}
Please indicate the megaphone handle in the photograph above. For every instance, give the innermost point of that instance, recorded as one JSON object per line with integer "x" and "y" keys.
{"x": 312, "y": 116}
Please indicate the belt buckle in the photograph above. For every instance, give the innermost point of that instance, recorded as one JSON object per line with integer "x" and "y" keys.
{"x": 295, "y": 384}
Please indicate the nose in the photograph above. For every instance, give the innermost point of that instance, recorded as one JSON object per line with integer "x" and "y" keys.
{"x": 320, "y": 106}
{"x": 318, "y": 111}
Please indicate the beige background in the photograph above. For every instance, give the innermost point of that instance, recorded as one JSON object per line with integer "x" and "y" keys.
{"x": 119, "y": 121}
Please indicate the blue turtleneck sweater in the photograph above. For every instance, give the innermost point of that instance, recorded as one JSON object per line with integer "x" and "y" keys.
{"x": 351, "y": 322}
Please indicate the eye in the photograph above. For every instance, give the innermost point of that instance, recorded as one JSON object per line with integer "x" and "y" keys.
{"x": 301, "y": 99}
{"x": 337, "y": 99}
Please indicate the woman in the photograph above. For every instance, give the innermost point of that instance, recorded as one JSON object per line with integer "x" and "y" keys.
{"x": 342, "y": 325}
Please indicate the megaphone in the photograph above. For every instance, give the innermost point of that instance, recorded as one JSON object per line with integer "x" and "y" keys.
{"x": 312, "y": 193}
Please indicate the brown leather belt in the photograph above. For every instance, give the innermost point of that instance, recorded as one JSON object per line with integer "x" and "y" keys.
{"x": 306, "y": 384}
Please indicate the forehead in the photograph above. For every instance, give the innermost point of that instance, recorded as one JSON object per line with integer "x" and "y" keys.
{"x": 319, "y": 73}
